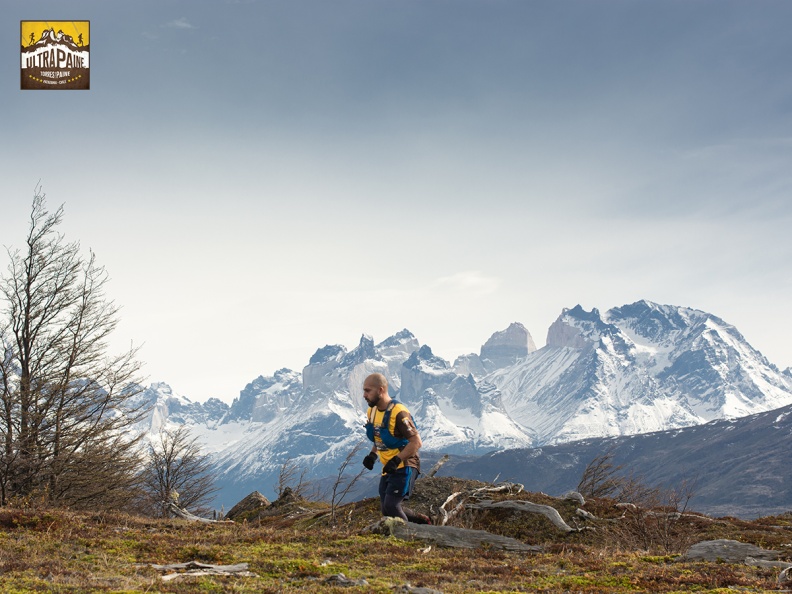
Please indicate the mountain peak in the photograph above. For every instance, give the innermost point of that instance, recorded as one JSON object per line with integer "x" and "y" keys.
{"x": 576, "y": 328}
{"x": 397, "y": 339}
{"x": 327, "y": 353}
{"x": 425, "y": 359}
{"x": 507, "y": 346}
{"x": 363, "y": 351}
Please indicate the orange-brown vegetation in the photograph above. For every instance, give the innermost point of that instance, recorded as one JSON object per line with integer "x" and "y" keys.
{"x": 297, "y": 547}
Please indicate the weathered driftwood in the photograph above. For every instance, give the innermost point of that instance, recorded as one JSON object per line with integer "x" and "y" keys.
{"x": 674, "y": 515}
{"x": 585, "y": 515}
{"x": 730, "y": 551}
{"x": 449, "y": 536}
{"x": 339, "y": 579}
{"x": 526, "y": 506}
{"x": 195, "y": 569}
{"x": 447, "y": 516}
{"x": 785, "y": 576}
{"x": 511, "y": 488}
{"x": 437, "y": 466}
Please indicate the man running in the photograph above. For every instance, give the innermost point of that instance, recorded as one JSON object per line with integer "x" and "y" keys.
{"x": 396, "y": 444}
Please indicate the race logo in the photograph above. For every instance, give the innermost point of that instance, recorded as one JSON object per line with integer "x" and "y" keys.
{"x": 55, "y": 55}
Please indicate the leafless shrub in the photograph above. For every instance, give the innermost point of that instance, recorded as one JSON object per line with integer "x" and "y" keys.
{"x": 601, "y": 478}
{"x": 343, "y": 483}
{"x": 658, "y": 522}
{"x": 292, "y": 476}
{"x": 653, "y": 517}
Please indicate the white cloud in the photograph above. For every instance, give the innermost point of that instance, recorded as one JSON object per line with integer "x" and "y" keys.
{"x": 181, "y": 23}
{"x": 471, "y": 281}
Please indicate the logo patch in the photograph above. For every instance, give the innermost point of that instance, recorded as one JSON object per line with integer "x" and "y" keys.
{"x": 55, "y": 55}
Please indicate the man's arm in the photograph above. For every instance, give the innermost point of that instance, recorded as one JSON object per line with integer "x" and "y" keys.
{"x": 412, "y": 447}
{"x": 406, "y": 428}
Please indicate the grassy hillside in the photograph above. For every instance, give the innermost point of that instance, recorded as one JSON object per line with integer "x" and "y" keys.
{"x": 296, "y": 547}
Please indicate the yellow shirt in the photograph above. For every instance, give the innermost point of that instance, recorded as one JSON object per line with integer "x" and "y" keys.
{"x": 403, "y": 430}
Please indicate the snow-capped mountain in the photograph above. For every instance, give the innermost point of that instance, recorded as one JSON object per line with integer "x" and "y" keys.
{"x": 638, "y": 368}
{"x": 635, "y": 369}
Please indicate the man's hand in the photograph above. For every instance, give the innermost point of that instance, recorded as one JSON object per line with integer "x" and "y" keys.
{"x": 392, "y": 465}
{"x": 369, "y": 460}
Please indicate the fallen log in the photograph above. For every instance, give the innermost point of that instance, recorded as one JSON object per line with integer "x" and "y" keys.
{"x": 526, "y": 506}
{"x": 196, "y": 569}
{"x": 510, "y": 488}
{"x": 450, "y": 536}
{"x": 448, "y": 516}
{"x": 437, "y": 466}
{"x": 585, "y": 515}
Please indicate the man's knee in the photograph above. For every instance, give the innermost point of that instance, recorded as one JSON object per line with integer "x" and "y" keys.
{"x": 391, "y": 507}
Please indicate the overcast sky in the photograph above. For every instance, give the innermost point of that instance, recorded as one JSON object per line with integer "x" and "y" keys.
{"x": 263, "y": 178}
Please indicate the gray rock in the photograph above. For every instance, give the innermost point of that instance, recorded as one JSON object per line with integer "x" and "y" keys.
{"x": 730, "y": 551}
{"x": 252, "y": 502}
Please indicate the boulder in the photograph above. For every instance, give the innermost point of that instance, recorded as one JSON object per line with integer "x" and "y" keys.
{"x": 252, "y": 503}
{"x": 730, "y": 551}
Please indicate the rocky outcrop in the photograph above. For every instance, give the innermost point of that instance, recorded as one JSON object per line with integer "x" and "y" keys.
{"x": 250, "y": 504}
{"x": 728, "y": 551}
{"x": 506, "y": 347}
{"x": 451, "y": 536}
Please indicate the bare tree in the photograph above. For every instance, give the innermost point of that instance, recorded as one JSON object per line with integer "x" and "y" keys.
{"x": 601, "y": 478}
{"x": 658, "y": 521}
{"x": 64, "y": 400}
{"x": 177, "y": 471}
{"x": 291, "y": 476}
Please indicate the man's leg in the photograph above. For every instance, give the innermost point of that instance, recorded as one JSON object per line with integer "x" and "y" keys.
{"x": 394, "y": 489}
{"x": 383, "y": 487}
{"x": 392, "y": 507}
{"x": 412, "y": 516}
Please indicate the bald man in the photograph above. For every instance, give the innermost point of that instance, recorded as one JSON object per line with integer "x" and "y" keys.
{"x": 395, "y": 443}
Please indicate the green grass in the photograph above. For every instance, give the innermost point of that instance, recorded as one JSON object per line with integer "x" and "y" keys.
{"x": 62, "y": 551}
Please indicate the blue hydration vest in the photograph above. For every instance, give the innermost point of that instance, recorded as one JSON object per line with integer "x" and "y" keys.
{"x": 390, "y": 441}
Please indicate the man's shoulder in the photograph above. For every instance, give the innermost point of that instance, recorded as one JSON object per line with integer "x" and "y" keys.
{"x": 399, "y": 408}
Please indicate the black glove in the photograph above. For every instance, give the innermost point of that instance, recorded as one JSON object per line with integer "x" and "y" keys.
{"x": 392, "y": 465}
{"x": 369, "y": 460}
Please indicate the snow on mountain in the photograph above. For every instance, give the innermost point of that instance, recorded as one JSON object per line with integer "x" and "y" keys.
{"x": 635, "y": 369}
{"x": 638, "y": 368}
{"x": 167, "y": 409}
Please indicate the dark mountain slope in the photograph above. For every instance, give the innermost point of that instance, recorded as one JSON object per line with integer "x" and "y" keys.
{"x": 741, "y": 467}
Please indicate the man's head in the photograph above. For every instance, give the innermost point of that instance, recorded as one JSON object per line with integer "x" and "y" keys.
{"x": 375, "y": 389}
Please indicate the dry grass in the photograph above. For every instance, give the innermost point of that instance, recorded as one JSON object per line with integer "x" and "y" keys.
{"x": 298, "y": 550}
